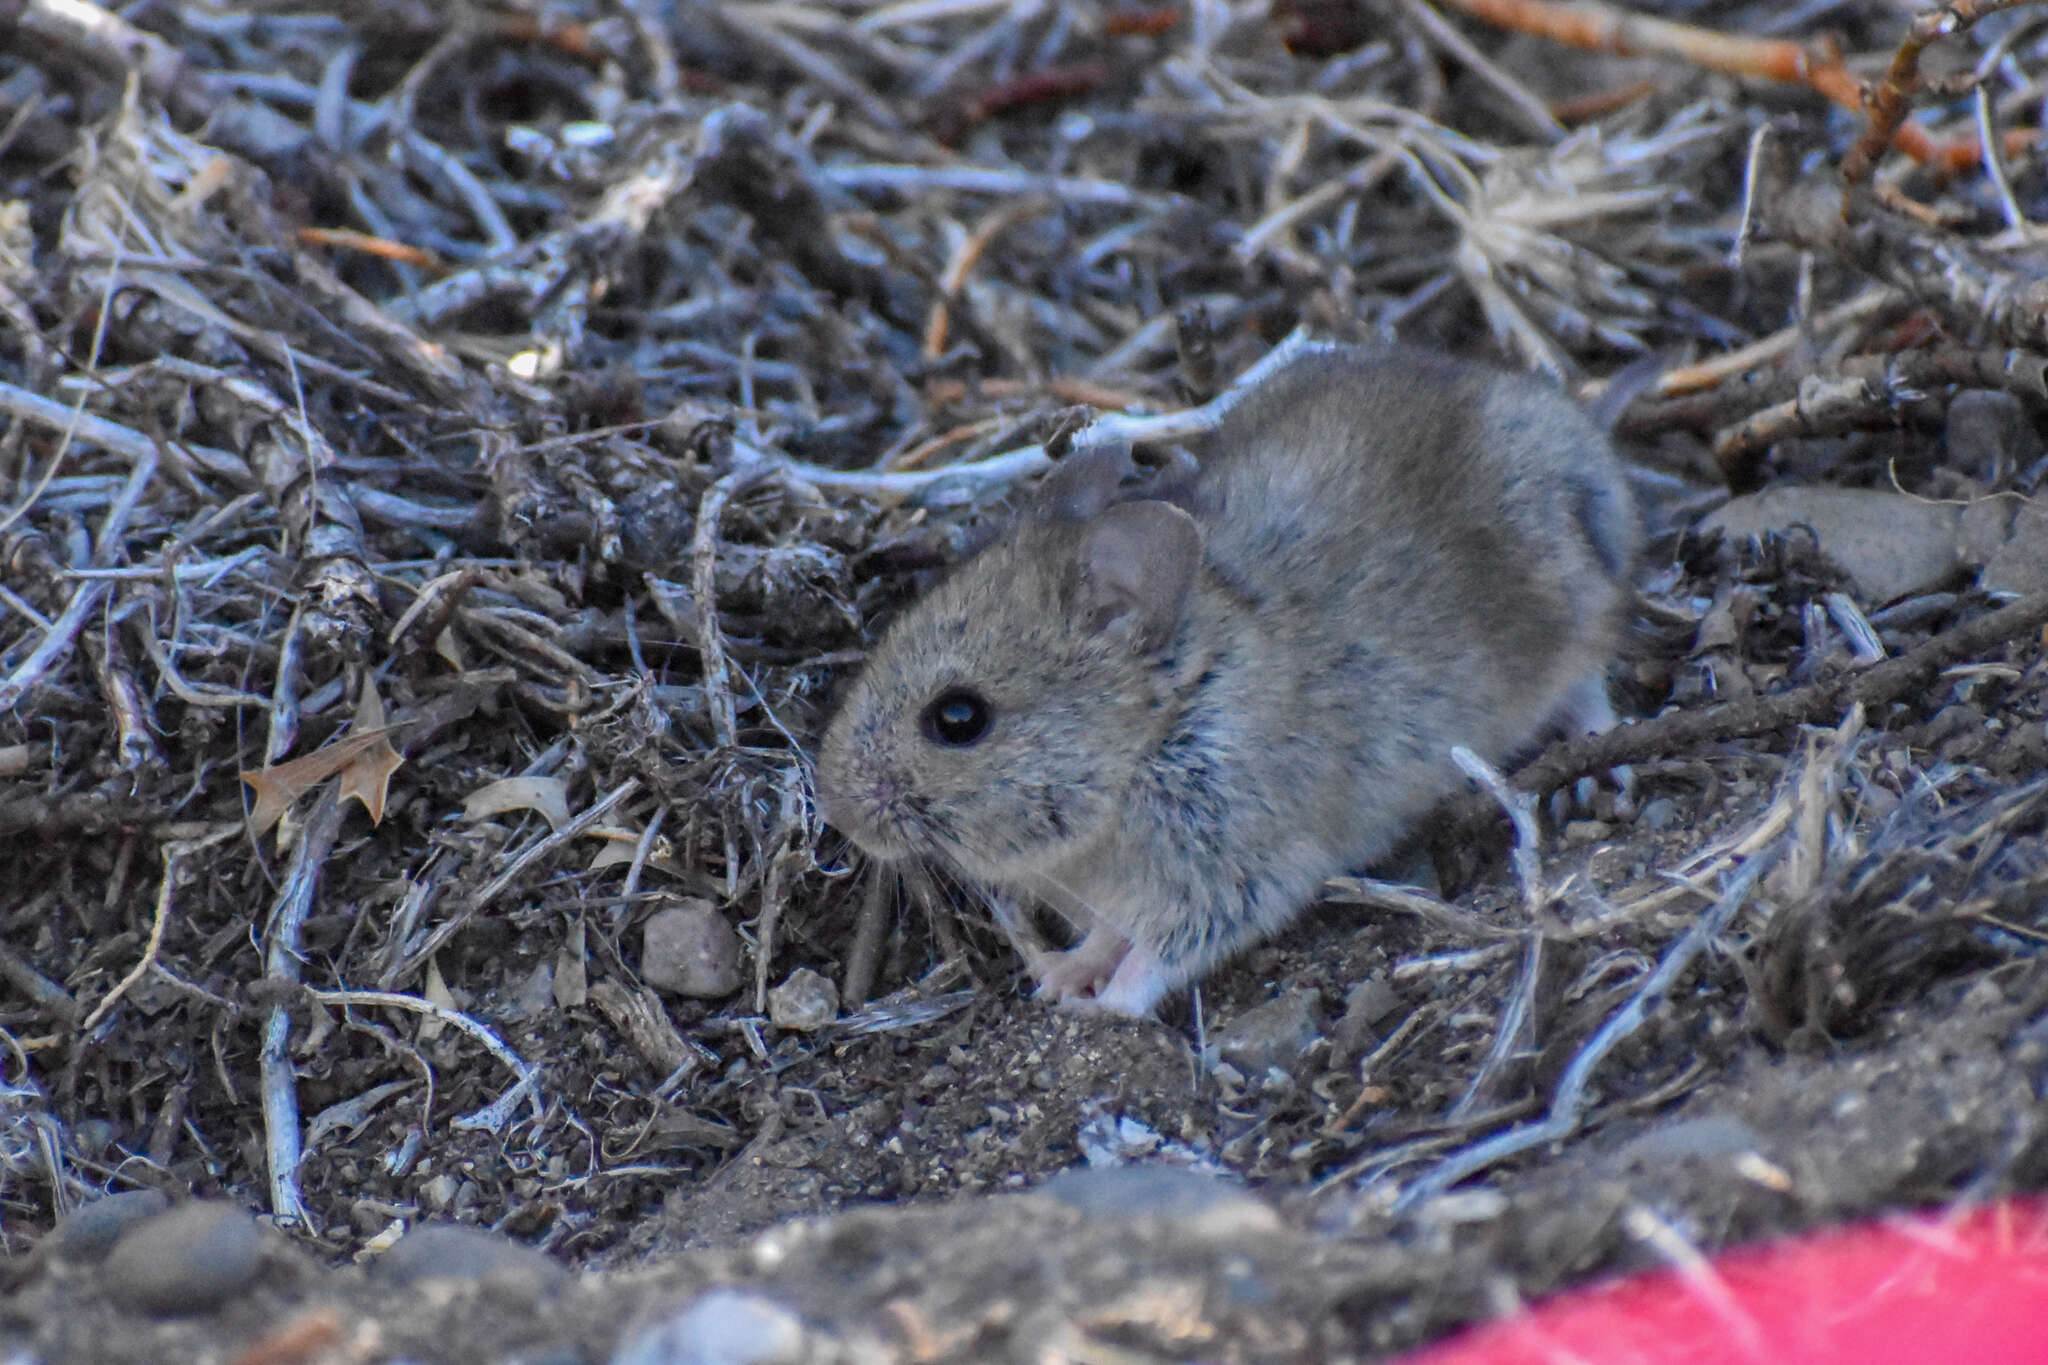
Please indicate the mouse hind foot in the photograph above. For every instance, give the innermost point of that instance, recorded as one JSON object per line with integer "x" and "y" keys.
{"x": 1587, "y": 710}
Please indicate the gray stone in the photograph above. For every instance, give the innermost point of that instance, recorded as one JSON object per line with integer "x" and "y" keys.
{"x": 1659, "y": 814}
{"x": 1209, "y": 1206}
{"x": 1890, "y": 544}
{"x": 1268, "y": 1037}
{"x": 691, "y": 950}
{"x": 803, "y": 1002}
{"x": 89, "y": 1232}
{"x": 2020, "y": 564}
{"x": 1988, "y": 436}
{"x": 190, "y": 1259}
{"x": 458, "y": 1251}
{"x": 722, "y": 1327}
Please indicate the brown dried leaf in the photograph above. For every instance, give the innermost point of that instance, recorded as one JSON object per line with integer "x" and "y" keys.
{"x": 281, "y": 784}
{"x": 572, "y": 975}
{"x": 548, "y": 796}
{"x": 435, "y": 989}
{"x": 367, "y": 777}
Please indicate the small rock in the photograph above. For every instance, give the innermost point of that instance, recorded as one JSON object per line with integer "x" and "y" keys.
{"x": 93, "y": 1137}
{"x": 1889, "y": 543}
{"x": 1268, "y": 1037}
{"x": 1209, "y": 1206}
{"x": 723, "y": 1327}
{"x": 89, "y": 1232}
{"x": 690, "y": 950}
{"x": 805, "y": 1001}
{"x": 1707, "y": 1137}
{"x": 189, "y": 1260}
{"x": 1371, "y": 1000}
{"x": 439, "y": 1191}
{"x": 1365, "y": 1006}
{"x": 1659, "y": 814}
{"x": 2020, "y": 563}
{"x": 533, "y": 996}
{"x": 1586, "y": 831}
{"x": 1988, "y": 436}
{"x": 458, "y": 1251}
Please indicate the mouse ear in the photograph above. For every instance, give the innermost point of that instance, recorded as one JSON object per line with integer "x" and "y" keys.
{"x": 1138, "y": 559}
{"x": 1084, "y": 482}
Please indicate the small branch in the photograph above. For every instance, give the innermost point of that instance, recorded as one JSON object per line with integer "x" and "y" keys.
{"x": 1889, "y": 102}
{"x": 1867, "y": 394}
{"x": 1815, "y": 704}
{"x": 1566, "y": 1109}
{"x": 527, "y": 1072}
{"x": 704, "y": 587}
{"x": 57, "y": 641}
{"x": 281, "y": 958}
{"x": 1529, "y": 111}
{"x": 1598, "y": 27}
{"x": 116, "y": 49}
{"x": 588, "y": 816}
{"x": 174, "y": 855}
{"x": 1520, "y": 807}
{"x": 870, "y": 929}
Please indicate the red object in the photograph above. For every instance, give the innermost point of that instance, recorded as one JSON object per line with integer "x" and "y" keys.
{"x": 1922, "y": 1289}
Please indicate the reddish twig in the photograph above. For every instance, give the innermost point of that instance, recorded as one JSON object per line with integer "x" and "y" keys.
{"x": 1597, "y": 27}
{"x": 1889, "y": 101}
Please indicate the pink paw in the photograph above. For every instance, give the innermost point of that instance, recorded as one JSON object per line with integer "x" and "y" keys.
{"x": 1110, "y": 976}
{"x": 1072, "y": 977}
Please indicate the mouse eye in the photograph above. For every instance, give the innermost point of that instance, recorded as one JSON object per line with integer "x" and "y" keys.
{"x": 957, "y": 718}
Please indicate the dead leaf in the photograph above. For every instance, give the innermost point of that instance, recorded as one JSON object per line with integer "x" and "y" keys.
{"x": 368, "y": 776}
{"x": 281, "y": 784}
{"x": 547, "y": 796}
{"x": 623, "y": 845}
{"x": 436, "y": 991}
{"x": 572, "y": 977}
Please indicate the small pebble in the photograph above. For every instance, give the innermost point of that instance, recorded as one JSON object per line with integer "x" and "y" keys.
{"x": 1706, "y": 1137}
{"x": 1268, "y": 1037}
{"x": 439, "y": 1191}
{"x": 805, "y": 1001}
{"x": 723, "y": 1327}
{"x": 191, "y": 1259}
{"x": 1659, "y": 814}
{"x": 690, "y": 950}
{"x": 1366, "y": 1005}
{"x": 1586, "y": 831}
{"x": 1988, "y": 436}
{"x": 93, "y": 1137}
{"x": 458, "y": 1251}
{"x": 89, "y": 1232}
{"x": 1208, "y": 1206}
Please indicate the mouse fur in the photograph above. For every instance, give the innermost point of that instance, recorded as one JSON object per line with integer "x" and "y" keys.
{"x": 1199, "y": 707}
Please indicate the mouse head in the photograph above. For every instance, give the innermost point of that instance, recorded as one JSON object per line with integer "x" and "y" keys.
{"x": 999, "y": 723}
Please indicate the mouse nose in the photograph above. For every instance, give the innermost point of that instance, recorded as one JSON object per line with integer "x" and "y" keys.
{"x": 861, "y": 805}
{"x": 849, "y": 806}
{"x": 831, "y": 807}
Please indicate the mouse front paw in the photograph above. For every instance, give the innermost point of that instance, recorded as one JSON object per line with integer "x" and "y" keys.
{"x": 1137, "y": 986}
{"x": 1074, "y": 976}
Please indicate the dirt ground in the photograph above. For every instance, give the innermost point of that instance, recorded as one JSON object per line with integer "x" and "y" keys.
{"x": 511, "y": 427}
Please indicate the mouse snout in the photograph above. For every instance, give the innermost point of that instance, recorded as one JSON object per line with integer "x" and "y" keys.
{"x": 860, "y": 804}
{"x": 832, "y": 806}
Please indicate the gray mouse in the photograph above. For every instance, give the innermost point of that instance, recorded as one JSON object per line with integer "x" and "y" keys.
{"x": 1170, "y": 712}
